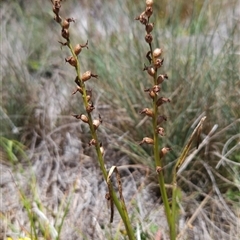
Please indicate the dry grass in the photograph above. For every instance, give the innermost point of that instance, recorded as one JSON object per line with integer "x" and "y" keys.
{"x": 60, "y": 167}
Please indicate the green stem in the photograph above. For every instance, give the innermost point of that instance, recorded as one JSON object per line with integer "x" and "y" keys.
{"x": 119, "y": 204}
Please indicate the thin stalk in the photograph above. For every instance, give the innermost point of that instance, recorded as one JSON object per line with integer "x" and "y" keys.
{"x": 119, "y": 204}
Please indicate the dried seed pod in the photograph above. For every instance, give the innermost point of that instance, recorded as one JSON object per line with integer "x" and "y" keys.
{"x": 97, "y": 122}
{"x": 92, "y": 142}
{"x": 142, "y": 18}
{"x": 164, "y": 151}
{"x": 158, "y": 62}
{"x": 150, "y": 70}
{"x": 90, "y": 107}
{"x": 162, "y": 100}
{"x": 149, "y": 3}
{"x": 151, "y": 93}
{"x": 65, "y": 33}
{"x": 101, "y": 149}
{"x": 160, "y": 131}
{"x": 72, "y": 61}
{"x": 78, "y": 48}
{"x": 161, "y": 78}
{"x": 159, "y": 169}
{"x": 147, "y": 140}
{"x": 87, "y": 75}
{"x": 156, "y": 88}
{"x": 157, "y": 52}
{"x": 149, "y": 11}
{"x": 147, "y": 112}
{"x": 148, "y": 38}
{"x": 66, "y": 23}
{"x": 149, "y": 27}
{"x": 160, "y": 119}
{"x": 82, "y": 117}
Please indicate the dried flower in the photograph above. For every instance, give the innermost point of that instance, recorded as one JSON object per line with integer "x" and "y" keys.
{"x": 66, "y": 23}
{"x": 147, "y": 112}
{"x": 149, "y": 27}
{"x": 149, "y": 3}
{"x": 72, "y": 61}
{"x": 161, "y": 78}
{"x": 147, "y": 140}
{"x": 160, "y": 131}
{"x": 157, "y": 52}
{"x": 87, "y": 75}
{"x": 82, "y": 117}
{"x": 160, "y": 119}
{"x": 162, "y": 100}
{"x": 97, "y": 122}
{"x": 92, "y": 142}
{"x": 78, "y": 48}
{"x": 149, "y": 11}
{"x": 148, "y": 38}
{"x": 65, "y": 33}
{"x": 164, "y": 151}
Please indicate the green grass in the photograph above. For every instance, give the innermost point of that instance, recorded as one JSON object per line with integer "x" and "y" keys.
{"x": 201, "y": 52}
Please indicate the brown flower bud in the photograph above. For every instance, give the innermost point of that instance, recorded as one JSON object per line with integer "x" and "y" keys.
{"x": 66, "y": 23}
{"x": 162, "y": 100}
{"x": 87, "y": 75}
{"x": 164, "y": 151}
{"x": 151, "y": 93}
{"x": 158, "y": 62}
{"x": 82, "y": 117}
{"x": 92, "y": 142}
{"x": 147, "y": 112}
{"x": 159, "y": 169}
{"x": 156, "y": 88}
{"x": 65, "y": 33}
{"x": 72, "y": 61}
{"x": 149, "y": 27}
{"x": 147, "y": 140}
{"x": 160, "y": 119}
{"x": 78, "y": 48}
{"x": 90, "y": 107}
{"x": 97, "y": 122}
{"x": 148, "y": 38}
{"x": 149, "y": 3}
{"x": 150, "y": 70}
{"x": 157, "y": 52}
{"x": 160, "y": 131}
{"x": 101, "y": 149}
{"x": 142, "y": 18}
{"x": 149, "y": 11}
{"x": 161, "y": 78}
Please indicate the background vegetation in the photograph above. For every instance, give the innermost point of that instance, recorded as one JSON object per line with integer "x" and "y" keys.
{"x": 46, "y": 163}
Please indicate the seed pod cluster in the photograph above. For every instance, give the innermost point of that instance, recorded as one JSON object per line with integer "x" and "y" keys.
{"x": 154, "y": 57}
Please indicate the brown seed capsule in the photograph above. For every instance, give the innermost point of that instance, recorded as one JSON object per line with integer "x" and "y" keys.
{"x": 147, "y": 112}
{"x": 87, "y": 75}
{"x": 82, "y": 117}
{"x": 149, "y": 27}
{"x": 159, "y": 169}
{"x": 101, "y": 149}
{"x": 160, "y": 131}
{"x": 158, "y": 62}
{"x": 66, "y": 23}
{"x": 72, "y": 61}
{"x": 151, "y": 93}
{"x": 156, "y": 88}
{"x": 157, "y": 52}
{"x": 92, "y": 142}
{"x": 149, "y": 3}
{"x": 78, "y": 48}
{"x": 147, "y": 140}
{"x": 149, "y": 11}
{"x": 65, "y": 34}
{"x": 161, "y": 78}
{"x": 97, "y": 122}
{"x": 150, "y": 70}
{"x": 162, "y": 100}
{"x": 142, "y": 18}
{"x": 148, "y": 38}
{"x": 164, "y": 151}
{"x": 90, "y": 107}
